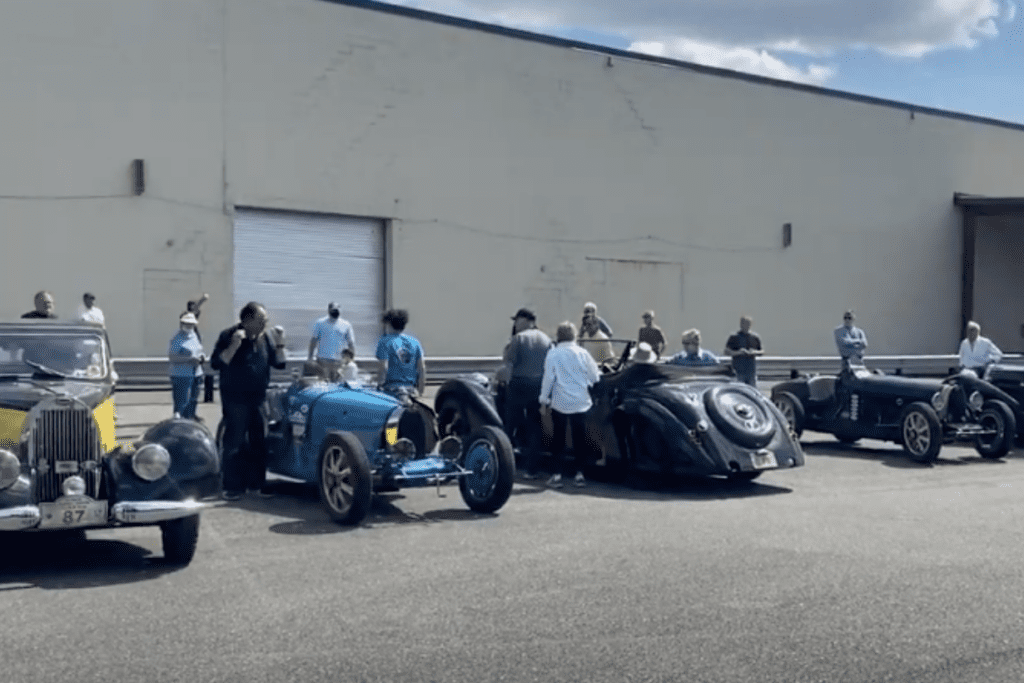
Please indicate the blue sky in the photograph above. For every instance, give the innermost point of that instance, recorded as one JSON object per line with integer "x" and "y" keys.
{"x": 958, "y": 55}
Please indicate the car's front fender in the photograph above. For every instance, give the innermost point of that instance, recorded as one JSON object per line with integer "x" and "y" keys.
{"x": 194, "y": 472}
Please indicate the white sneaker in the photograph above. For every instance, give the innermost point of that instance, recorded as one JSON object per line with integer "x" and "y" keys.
{"x": 580, "y": 481}
{"x": 555, "y": 481}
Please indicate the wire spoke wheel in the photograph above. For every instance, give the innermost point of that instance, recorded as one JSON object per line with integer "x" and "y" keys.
{"x": 345, "y": 482}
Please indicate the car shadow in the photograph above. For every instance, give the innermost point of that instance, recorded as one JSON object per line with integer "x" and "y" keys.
{"x": 56, "y": 561}
{"x": 648, "y": 486}
{"x": 893, "y": 457}
{"x": 302, "y": 502}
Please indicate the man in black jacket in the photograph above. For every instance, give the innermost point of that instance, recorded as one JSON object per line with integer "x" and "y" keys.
{"x": 244, "y": 354}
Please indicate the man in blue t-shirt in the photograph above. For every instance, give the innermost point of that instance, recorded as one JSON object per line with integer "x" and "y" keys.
{"x": 332, "y": 335}
{"x": 400, "y": 354}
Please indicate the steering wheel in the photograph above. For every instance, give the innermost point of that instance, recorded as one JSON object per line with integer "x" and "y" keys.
{"x": 609, "y": 366}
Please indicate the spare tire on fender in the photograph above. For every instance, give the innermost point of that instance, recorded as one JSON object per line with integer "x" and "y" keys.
{"x": 739, "y": 416}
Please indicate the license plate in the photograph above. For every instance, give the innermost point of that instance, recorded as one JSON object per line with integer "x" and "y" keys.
{"x": 764, "y": 461}
{"x": 71, "y": 514}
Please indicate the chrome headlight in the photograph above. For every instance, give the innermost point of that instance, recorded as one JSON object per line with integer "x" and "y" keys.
{"x": 976, "y": 400}
{"x": 73, "y": 486}
{"x": 151, "y": 461}
{"x": 941, "y": 398}
{"x": 10, "y": 469}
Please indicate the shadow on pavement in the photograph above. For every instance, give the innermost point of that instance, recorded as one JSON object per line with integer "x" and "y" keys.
{"x": 58, "y": 561}
{"x": 648, "y": 486}
{"x": 302, "y": 502}
{"x": 892, "y": 457}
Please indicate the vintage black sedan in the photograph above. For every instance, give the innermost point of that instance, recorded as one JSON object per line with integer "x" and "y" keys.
{"x": 921, "y": 414}
{"x": 663, "y": 419}
{"x": 61, "y": 467}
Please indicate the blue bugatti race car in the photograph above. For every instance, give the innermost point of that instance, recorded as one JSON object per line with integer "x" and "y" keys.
{"x": 351, "y": 441}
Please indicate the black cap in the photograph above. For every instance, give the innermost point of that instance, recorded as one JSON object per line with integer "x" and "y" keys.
{"x": 525, "y": 313}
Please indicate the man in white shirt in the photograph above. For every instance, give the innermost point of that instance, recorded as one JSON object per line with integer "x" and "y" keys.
{"x": 569, "y": 371}
{"x": 977, "y": 352}
{"x": 331, "y": 335}
{"x": 88, "y": 312}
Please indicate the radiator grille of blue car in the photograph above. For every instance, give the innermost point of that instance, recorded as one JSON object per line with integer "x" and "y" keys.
{"x": 65, "y": 442}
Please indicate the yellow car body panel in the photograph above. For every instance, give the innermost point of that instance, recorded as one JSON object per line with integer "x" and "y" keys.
{"x": 12, "y": 421}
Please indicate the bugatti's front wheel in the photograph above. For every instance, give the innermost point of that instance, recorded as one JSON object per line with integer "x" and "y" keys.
{"x": 920, "y": 432}
{"x": 488, "y": 456}
{"x": 997, "y": 418}
{"x": 345, "y": 481}
{"x": 180, "y": 537}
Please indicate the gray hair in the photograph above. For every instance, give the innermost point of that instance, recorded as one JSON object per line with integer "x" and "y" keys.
{"x": 566, "y": 332}
{"x": 691, "y": 336}
{"x": 973, "y": 326}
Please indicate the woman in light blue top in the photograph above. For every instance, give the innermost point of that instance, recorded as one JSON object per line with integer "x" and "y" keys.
{"x": 185, "y": 352}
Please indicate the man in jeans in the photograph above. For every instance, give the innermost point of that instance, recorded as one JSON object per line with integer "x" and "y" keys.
{"x": 244, "y": 354}
{"x": 524, "y": 356}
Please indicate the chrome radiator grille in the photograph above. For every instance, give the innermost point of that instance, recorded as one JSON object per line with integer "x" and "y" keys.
{"x": 65, "y": 442}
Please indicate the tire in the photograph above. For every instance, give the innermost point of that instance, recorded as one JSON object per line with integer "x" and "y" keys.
{"x": 997, "y": 415}
{"x": 920, "y": 432}
{"x": 180, "y": 537}
{"x": 488, "y": 455}
{"x": 792, "y": 410}
{"x": 740, "y": 418}
{"x": 344, "y": 480}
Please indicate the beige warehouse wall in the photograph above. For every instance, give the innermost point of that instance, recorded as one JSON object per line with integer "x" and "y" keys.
{"x": 518, "y": 172}
{"x": 89, "y": 86}
{"x": 512, "y": 172}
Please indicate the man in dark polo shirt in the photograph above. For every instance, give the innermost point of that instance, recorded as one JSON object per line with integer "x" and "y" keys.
{"x": 43, "y": 306}
{"x": 524, "y": 356}
{"x": 244, "y": 354}
{"x": 744, "y": 347}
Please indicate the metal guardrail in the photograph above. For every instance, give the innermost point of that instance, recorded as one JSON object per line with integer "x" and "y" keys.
{"x": 151, "y": 373}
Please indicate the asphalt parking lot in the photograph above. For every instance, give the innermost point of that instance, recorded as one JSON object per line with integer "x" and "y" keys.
{"x": 861, "y": 566}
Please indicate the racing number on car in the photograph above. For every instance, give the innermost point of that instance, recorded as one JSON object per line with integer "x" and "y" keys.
{"x": 73, "y": 516}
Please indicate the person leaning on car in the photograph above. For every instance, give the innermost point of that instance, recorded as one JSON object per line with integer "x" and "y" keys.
{"x": 692, "y": 354}
{"x": 569, "y": 372}
{"x": 402, "y": 366}
{"x": 524, "y": 356}
{"x": 244, "y": 354}
{"x": 43, "y": 306}
{"x": 850, "y": 342}
{"x": 977, "y": 352}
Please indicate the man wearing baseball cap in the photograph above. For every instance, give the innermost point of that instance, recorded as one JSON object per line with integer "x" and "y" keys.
{"x": 524, "y": 356}
{"x": 89, "y": 312}
{"x": 331, "y": 335}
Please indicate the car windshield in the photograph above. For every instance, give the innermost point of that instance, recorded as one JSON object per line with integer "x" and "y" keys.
{"x": 79, "y": 356}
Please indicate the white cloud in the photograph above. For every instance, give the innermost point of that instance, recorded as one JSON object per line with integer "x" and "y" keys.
{"x": 745, "y": 59}
{"x": 755, "y": 35}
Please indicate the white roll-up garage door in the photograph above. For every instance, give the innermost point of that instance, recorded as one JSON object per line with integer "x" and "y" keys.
{"x": 295, "y": 263}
